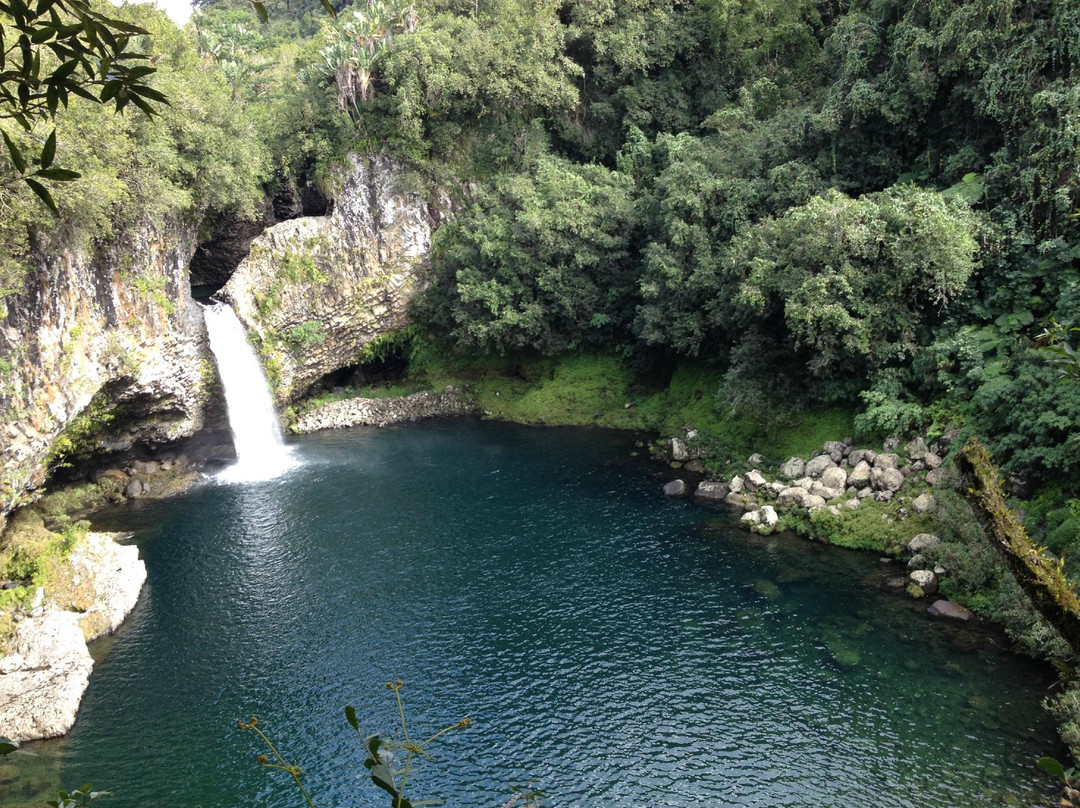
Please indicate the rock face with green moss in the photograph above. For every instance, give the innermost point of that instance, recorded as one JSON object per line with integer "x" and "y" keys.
{"x": 47, "y": 667}
{"x": 316, "y": 290}
{"x": 90, "y": 335}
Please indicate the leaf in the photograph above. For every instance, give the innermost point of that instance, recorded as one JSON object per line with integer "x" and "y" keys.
{"x": 43, "y": 194}
{"x": 1052, "y": 766}
{"x": 384, "y": 779}
{"x": 329, "y": 8}
{"x": 16, "y": 155}
{"x": 260, "y": 9}
{"x": 350, "y": 716}
{"x": 58, "y": 174}
{"x": 48, "y": 151}
{"x": 8, "y": 746}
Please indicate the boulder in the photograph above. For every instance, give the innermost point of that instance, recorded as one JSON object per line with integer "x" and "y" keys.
{"x": 852, "y": 504}
{"x": 923, "y": 541}
{"x": 856, "y": 456}
{"x": 769, "y": 517}
{"x": 712, "y": 490}
{"x": 754, "y": 480}
{"x": 915, "y": 449}
{"x": 936, "y": 477}
{"x": 835, "y": 450}
{"x": 803, "y": 482}
{"x": 821, "y": 490}
{"x": 860, "y": 475}
{"x": 738, "y": 500}
{"x": 931, "y": 460}
{"x": 924, "y": 503}
{"x": 793, "y": 468}
{"x": 756, "y": 460}
{"x": 45, "y": 676}
{"x": 817, "y": 465}
{"x": 886, "y": 460}
{"x": 812, "y": 501}
{"x": 865, "y": 493}
{"x": 737, "y": 484}
{"x": 679, "y": 452}
{"x": 883, "y": 496}
{"x": 791, "y": 496}
{"x": 676, "y": 488}
{"x": 751, "y": 517}
{"x": 946, "y": 608}
{"x": 890, "y": 443}
{"x": 925, "y": 580}
{"x": 886, "y": 479}
{"x": 918, "y": 562}
{"x": 835, "y": 478}
{"x": 695, "y": 466}
{"x": 134, "y": 489}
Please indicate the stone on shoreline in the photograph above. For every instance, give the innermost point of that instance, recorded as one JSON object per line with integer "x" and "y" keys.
{"x": 921, "y": 542}
{"x": 43, "y": 677}
{"x": 946, "y": 608}
{"x": 712, "y": 489}
{"x": 925, "y": 580}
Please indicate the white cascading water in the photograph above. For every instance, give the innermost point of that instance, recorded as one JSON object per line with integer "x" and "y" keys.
{"x": 261, "y": 453}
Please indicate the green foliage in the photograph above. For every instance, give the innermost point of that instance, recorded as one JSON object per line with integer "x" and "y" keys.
{"x": 308, "y": 334}
{"x": 83, "y": 432}
{"x": 537, "y": 261}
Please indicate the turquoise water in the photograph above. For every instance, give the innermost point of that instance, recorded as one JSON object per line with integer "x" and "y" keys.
{"x": 618, "y": 647}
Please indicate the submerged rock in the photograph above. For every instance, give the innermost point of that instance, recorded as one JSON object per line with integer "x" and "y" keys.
{"x": 675, "y": 488}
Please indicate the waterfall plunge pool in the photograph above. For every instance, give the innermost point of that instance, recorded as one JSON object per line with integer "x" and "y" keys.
{"x": 620, "y": 648}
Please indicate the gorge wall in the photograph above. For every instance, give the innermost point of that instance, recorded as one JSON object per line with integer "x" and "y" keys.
{"x": 120, "y": 326}
{"x": 316, "y": 290}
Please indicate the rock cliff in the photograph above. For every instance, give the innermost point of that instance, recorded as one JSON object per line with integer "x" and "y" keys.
{"x": 119, "y": 329}
{"x": 316, "y": 290}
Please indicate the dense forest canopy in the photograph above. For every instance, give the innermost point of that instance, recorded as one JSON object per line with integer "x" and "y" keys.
{"x": 868, "y": 202}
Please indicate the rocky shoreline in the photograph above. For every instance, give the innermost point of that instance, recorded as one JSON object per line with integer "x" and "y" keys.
{"x": 47, "y": 668}
{"x": 384, "y": 411}
{"x": 832, "y": 481}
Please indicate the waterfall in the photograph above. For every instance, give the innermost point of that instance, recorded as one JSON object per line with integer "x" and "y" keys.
{"x": 261, "y": 452}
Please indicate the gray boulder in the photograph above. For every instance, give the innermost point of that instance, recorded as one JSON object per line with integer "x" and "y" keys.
{"x": 835, "y": 478}
{"x": 134, "y": 489}
{"x": 936, "y": 477}
{"x": 856, "y": 456}
{"x": 915, "y": 449}
{"x": 931, "y": 460}
{"x": 886, "y": 460}
{"x": 817, "y": 465}
{"x": 860, "y": 475}
{"x": 754, "y": 480}
{"x": 825, "y": 492}
{"x": 886, "y": 479}
{"x": 812, "y": 501}
{"x": 791, "y": 496}
{"x": 924, "y": 503}
{"x": 676, "y": 488}
{"x": 712, "y": 490}
{"x": 925, "y": 580}
{"x": 793, "y": 468}
{"x": 865, "y": 493}
{"x": 679, "y": 452}
{"x": 923, "y": 541}
{"x": 835, "y": 450}
{"x": 769, "y": 517}
{"x": 756, "y": 459}
{"x": 946, "y": 608}
{"x": 737, "y": 484}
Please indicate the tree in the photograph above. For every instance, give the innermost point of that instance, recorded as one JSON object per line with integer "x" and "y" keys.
{"x": 51, "y": 50}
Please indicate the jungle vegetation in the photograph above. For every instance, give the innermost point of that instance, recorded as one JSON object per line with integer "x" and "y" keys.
{"x": 859, "y": 204}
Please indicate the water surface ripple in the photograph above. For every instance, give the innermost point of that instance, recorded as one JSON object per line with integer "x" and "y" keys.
{"x": 620, "y": 648}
